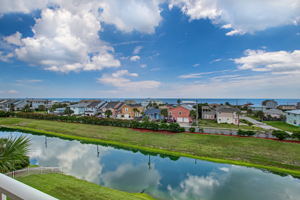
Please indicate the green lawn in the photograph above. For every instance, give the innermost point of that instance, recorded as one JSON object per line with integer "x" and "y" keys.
{"x": 214, "y": 124}
{"x": 66, "y": 187}
{"x": 272, "y": 155}
{"x": 283, "y": 126}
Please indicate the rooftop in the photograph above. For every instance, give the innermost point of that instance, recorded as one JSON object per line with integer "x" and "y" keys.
{"x": 297, "y": 112}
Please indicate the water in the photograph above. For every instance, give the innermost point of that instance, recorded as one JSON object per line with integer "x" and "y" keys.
{"x": 162, "y": 178}
{"x": 203, "y": 100}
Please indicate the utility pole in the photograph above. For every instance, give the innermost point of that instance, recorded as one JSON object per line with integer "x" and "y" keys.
{"x": 197, "y": 113}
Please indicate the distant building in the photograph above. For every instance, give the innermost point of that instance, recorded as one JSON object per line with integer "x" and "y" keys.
{"x": 79, "y": 109}
{"x": 93, "y": 107}
{"x": 298, "y": 105}
{"x": 130, "y": 111}
{"x": 113, "y": 106}
{"x": 154, "y": 114}
{"x": 35, "y": 103}
{"x": 274, "y": 113}
{"x": 293, "y": 117}
{"x": 227, "y": 115}
{"x": 269, "y": 104}
{"x": 181, "y": 113}
{"x": 286, "y": 107}
{"x": 208, "y": 112}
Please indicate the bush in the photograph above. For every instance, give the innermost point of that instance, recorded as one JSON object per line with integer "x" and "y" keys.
{"x": 245, "y": 133}
{"x": 4, "y": 114}
{"x": 192, "y": 129}
{"x": 173, "y": 127}
{"x": 281, "y": 135}
{"x": 296, "y": 135}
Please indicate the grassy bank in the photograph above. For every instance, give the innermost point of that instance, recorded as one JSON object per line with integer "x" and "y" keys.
{"x": 66, "y": 187}
{"x": 253, "y": 152}
{"x": 283, "y": 126}
{"x": 214, "y": 124}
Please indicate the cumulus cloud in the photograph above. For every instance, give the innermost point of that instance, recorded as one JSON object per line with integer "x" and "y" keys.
{"x": 135, "y": 58}
{"x": 242, "y": 17}
{"x": 119, "y": 79}
{"x": 280, "y": 62}
{"x": 66, "y": 37}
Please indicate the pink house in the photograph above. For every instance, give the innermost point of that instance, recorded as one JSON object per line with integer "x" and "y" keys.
{"x": 180, "y": 113}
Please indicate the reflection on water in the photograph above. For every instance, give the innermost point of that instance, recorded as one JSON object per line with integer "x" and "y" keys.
{"x": 162, "y": 178}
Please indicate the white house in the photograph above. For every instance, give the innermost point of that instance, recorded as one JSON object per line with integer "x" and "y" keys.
{"x": 227, "y": 115}
{"x": 79, "y": 109}
{"x": 293, "y": 117}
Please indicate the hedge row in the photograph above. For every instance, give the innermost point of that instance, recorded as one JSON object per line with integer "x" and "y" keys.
{"x": 173, "y": 127}
{"x": 245, "y": 133}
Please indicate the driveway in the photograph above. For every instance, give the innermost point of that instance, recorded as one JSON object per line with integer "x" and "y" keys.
{"x": 258, "y": 123}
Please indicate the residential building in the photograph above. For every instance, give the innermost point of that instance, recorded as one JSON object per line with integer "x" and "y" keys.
{"x": 269, "y": 104}
{"x": 113, "y": 106}
{"x": 298, "y": 105}
{"x": 274, "y": 113}
{"x": 208, "y": 112}
{"x": 293, "y": 117}
{"x": 35, "y": 103}
{"x": 93, "y": 107}
{"x": 79, "y": 108}
{"x": 181, "y": 113}
{"x": 130, "y": 111}
{"x": 286, "y": 107}
{"x": 19, "y": 105}
{"x": 154, "y": 114}
{"x": 226, "y": 114}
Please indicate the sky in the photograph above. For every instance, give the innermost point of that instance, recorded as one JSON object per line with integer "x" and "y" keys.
{"x": 150, "y": 49}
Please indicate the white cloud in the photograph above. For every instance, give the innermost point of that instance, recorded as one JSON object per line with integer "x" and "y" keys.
{"x": 135, "y": 58}
{"x": 14, "y": 39}
{"x": 143, "y": 65}
{"x": 275, "y": 62}
{"x": 196, "y": 65}
{"x": 5, "y": 57}
{"x": 9, "y": 92}
{"x": 242, "y": 16}
{"x": 65, "y": 42}
{"x": 118, "y": 80}
{"x": 137, "y": 50}
{"x": 130, "y": 15}
{"x": 8, "y": 6}
{"x": 29, "y": 81}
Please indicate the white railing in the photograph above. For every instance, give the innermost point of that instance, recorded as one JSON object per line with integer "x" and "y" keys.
{"x": 16, "y": 190}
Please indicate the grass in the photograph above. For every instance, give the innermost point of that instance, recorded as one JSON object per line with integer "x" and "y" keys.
{"x": 214, "y": 124}
{"x": 283, "y": 126}
{"x": 267, "y": 154}
{"x": 66, "y": 187}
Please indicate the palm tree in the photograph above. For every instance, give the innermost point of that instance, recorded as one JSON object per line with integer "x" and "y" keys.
{"x": 108, "y": 113}
{"x": 136, "y": 112}
{"x": 13, "y": 153}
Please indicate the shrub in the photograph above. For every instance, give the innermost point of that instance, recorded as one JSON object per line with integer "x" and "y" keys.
{"x": 296, "y": 135}
{"x": 192, "y": 129}
{"x": 245, "y": 133}
{"x": 4, "y": 114}
{"x": 281, "y": 135}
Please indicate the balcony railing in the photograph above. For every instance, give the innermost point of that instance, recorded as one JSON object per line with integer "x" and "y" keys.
{"x": 16, "y": 190}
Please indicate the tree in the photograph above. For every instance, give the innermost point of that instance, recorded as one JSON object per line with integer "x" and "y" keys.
{"x": 296, "y": 135}
{"x": 13, "y": 153}
{"x": 26, "y": 108}
{"x": 281, "y": 135}
{"x": 41, "y": 108}
{"x": 136, "y": 111}
{"x": 260, "y": 115}
{"x": 108, "y": 113}
{"x": 164, "y": 112}
{"x": 193, "y": 114}
{"x": 178, "y": 101}
{"x": 68, "y": 111}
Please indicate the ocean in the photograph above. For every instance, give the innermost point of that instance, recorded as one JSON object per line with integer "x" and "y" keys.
{"x": 202, "y": 100}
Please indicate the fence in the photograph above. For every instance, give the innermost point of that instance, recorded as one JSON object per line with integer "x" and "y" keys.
{"x": 34, "y": 170}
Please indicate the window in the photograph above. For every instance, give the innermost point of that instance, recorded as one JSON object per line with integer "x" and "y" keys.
{"x": 126, "y": 109}
{"x": 179, "y": 113}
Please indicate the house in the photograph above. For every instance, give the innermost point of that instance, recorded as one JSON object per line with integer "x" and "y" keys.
{"x": 93, "y": 107}
{"x": 286, "y": 107}
{"x": 274, "y": 113}
{"x": 181, "y": 113}
{"x": 269, "y": 104}
{"x": 20, "y": 104}
{"x": 154, "y": 114}
{"x": 226, "y": 114}
{"x": 35, "y": 103}
{"x": 79, "y": 108}
{"x": 59, "y": 111}
{"x": 208, "y": 112}
{"x": 298, "y": 105}
{"x": 113, "y": 106}
{"x": 293, "y": 117}
{"x": 130, "y": 111}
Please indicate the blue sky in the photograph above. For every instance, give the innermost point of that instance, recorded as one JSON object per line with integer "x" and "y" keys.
{"x": 153, "y": 48}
